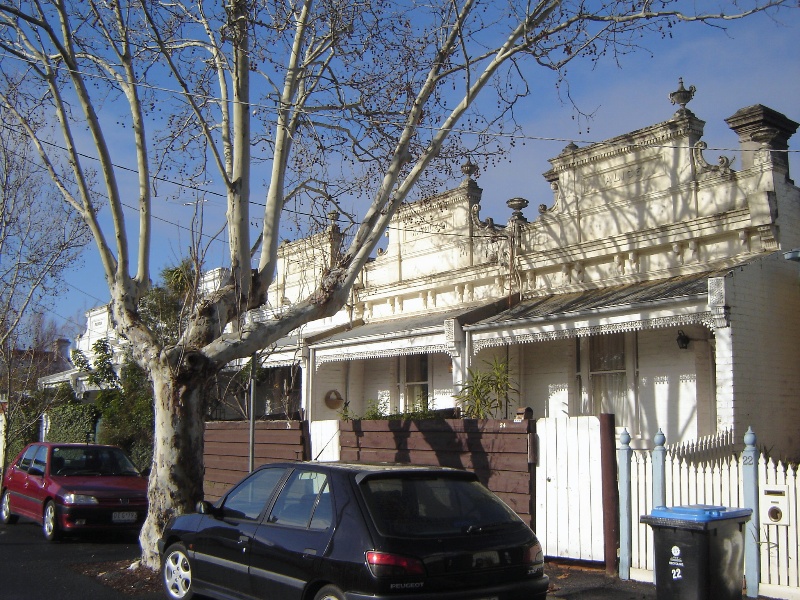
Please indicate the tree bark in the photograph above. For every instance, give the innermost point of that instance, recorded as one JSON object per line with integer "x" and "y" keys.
{"x": 176, "y": 478}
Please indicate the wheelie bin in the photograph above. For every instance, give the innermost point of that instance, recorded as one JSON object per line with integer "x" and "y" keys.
{"x": 698, "y": 551}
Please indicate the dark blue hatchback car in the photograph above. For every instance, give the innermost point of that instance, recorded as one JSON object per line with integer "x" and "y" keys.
{"x": 333, "y": 531}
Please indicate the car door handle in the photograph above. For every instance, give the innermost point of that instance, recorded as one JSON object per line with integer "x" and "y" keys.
{"x": 243, "y": 539}
{"x": 310, "y": 552}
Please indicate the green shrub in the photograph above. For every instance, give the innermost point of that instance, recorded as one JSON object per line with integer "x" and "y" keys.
{"x": 72, "y": 422}
{"x": 378, "y": 410}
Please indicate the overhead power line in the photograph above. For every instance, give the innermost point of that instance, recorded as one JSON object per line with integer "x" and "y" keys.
{"x": 335, "y": 113}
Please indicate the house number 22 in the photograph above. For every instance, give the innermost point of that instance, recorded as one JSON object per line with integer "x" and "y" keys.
{"x": 676, "y": 574}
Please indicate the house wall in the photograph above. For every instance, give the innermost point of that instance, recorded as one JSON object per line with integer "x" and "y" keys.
{"x": 441, "y": 378}
{"x": 416, "y": 249}
{"x": 98, "y": 327}
{"x": 301, "y": 264}
{"x": 674, "y": 385}
{"x": 547, "y": 370}
{"x": 640, "y": 207}
{"x": 329, "y": 376}
{"x": 355, "y": 376}
{"x": 380, "y": 384}
{"x": 787, "y": 198}
{"x": 375, "y": 382}
{"x": 764, "y": 351}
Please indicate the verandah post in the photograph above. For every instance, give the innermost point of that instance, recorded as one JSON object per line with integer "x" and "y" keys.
{"x": 752, "y": 560}
{"x": 624, "y": 454}
{"x": 659, "y": 470}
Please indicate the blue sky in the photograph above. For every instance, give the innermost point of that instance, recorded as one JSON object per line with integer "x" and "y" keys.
{"x": 756, "y": 61}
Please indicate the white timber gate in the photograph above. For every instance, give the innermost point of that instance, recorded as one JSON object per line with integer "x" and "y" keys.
{"x": 569, "y": 488}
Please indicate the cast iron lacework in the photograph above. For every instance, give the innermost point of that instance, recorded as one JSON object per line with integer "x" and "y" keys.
{"x": 703, "y": 318}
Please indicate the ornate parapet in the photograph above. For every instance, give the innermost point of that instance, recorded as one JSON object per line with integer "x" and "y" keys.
{"x": 723, "y": 166}
{"x": 763, "y": 135}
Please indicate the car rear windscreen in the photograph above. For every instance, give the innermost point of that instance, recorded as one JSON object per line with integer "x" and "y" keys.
{"x": 403, "y": 506}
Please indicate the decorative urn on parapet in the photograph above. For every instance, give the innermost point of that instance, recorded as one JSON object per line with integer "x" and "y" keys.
{"x": 516, "y": 205}
{"x": 682, "y": 97}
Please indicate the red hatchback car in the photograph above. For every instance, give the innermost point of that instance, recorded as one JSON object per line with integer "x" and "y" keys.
{"x": 74, "y": 487}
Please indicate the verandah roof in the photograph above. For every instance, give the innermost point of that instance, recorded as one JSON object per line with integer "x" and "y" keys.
{"x": 674, "y": 301}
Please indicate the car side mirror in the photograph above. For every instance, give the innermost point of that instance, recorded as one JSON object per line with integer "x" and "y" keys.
{"x": 204, "y": 507}
{"x": 35, "y": 471}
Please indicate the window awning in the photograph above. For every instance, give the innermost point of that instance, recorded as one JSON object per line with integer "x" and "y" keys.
{"x": 675, "y": 301}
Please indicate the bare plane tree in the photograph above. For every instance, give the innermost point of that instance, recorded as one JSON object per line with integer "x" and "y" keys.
{"x": 40, "y": 238}
{"x": 327, "y": 100}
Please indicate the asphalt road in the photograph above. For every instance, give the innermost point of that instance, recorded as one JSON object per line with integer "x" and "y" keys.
{"x": 34, "y": 569}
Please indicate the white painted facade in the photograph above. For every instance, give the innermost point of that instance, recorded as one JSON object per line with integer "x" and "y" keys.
{"x": 644, "y": 239}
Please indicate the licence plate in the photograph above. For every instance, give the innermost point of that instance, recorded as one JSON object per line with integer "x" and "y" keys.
{"x": 483, "y": 560}
{"x": 124, "y": 517}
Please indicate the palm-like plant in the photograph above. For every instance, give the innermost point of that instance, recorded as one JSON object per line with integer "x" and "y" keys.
{"x": 487, "y": 391}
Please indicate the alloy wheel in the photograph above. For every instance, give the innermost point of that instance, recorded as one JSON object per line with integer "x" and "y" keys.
{"x": 5, "y": 510}
{"x": 177, "y": 573}
{"x": 50, "y": 522}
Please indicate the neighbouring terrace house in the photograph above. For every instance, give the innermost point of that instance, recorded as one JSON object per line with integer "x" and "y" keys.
{"x": 98, "y": 327}
{"x": 654, "y": 286}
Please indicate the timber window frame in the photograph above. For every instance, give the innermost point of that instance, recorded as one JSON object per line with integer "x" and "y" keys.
{"x": 608, "y": 376}
{"x": 416, "y": 384}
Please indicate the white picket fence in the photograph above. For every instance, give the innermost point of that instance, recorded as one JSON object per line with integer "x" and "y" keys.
{"x": 780, "y": 544}
{"x": 718, "y": 481}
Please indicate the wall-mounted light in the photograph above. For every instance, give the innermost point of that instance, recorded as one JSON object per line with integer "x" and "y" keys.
{"x": 682, "y": 340}
{"x": 793, "y": 255}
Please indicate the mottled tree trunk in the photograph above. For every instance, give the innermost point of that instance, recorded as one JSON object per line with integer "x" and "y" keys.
{"x": 176, "y": 479}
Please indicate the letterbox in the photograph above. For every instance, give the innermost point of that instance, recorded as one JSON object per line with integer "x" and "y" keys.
{"x": 774, "y": 505}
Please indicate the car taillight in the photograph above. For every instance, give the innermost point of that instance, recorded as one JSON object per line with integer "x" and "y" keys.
{"x": 533, "y": 557}
{"x": 383, "y": 564}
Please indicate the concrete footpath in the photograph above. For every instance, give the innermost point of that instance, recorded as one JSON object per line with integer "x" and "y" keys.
{"x": 591, "y": 583}
{"x": 580, "y": 582}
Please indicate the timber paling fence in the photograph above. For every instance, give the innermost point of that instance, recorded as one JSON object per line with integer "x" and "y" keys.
{"x": 498, "y": 451}
{"x": 227, "y": 450}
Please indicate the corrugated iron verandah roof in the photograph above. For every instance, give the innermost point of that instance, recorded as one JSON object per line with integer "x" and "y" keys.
{"x": 673, "y": 301}
{"x": 421, "y": 334}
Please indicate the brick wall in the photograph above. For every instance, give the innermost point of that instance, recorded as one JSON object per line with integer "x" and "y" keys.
{"x": 765, "y": 350}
